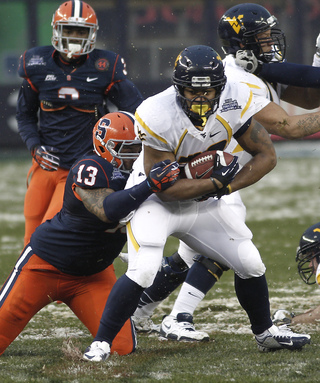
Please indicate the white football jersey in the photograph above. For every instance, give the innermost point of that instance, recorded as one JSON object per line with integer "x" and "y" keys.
{"x": 163, "y": 125}
{"x": 261, "y": 90}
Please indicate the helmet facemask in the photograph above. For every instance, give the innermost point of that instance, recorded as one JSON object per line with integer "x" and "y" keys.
{"x": 251, "y": 41}
{"x": 199, "y": 108}
{"x": 304, "y": 257}
{"x": 116, "y": 147}
{"x": 65, "y": 45}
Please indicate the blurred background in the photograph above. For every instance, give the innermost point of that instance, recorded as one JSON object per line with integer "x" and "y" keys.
{"x": 149, "y": 34}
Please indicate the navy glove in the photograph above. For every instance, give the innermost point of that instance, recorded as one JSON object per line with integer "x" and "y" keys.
{"x": 163, "y": 175}
{"x": 43, "y": 155}
{"x": 224, "y": 174}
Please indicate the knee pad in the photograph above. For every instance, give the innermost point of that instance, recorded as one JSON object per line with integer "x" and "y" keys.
{"x": 213, "y": 267}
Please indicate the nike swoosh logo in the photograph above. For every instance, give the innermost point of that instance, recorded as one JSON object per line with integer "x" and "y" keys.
{"x": 89, "y": 79}
{"x": 213, "y": 134}
{"x": 204, "y": 173}
{"x": 287, "y": 343}
{"x": 168, "y": 327}
{"x": 193, "y": 295}
{"x": 224, "y": 173}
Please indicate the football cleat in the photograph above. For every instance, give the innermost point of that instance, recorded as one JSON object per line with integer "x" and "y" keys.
{"x": 276, "y": 338}
{"x": 181, "y": 328}
{"x": 145, "y": 324}
{"x": 97, "y": 352}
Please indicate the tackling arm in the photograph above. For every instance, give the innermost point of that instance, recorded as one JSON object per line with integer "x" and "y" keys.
{"x": 110, "y": 206}
{"x": 277, "y": 121}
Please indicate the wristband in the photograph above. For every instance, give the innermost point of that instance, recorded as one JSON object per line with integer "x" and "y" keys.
{"x": 214, "y": 183}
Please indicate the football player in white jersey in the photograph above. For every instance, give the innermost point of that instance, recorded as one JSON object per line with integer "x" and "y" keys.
{"x": 202, "y": 111}
{"x": 308, "y": 262}
{"x": 245, "y": 26}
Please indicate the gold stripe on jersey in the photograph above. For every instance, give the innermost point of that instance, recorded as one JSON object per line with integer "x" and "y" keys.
{"x": 180, "y": 141}
{"x": 132, "y": 238}
{"x": 253, "y": 86}
{"x": 248, "y": 104}
{"x": 226, "y": 126}
{"x": 237, "y": 149}
{"x": 146, "y": 127}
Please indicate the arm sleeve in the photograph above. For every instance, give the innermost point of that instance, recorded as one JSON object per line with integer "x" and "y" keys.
{"x": 27, "y": 115}
{"x": 125, "y": 95}
{"x": 119, "y": 204}
{"x": 291, "y": 74}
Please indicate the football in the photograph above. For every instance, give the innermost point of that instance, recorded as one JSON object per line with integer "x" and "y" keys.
{"x": 202, "y": 165}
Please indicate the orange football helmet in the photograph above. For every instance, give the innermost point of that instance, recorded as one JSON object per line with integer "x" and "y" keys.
{"x": 111, "y": 134}
{"x": 74, "y": 13}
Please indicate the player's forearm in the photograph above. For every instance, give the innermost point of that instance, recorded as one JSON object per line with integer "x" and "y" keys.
{"x": 304, "y": 125}
{"x": 185, "y": 189}
{"x": 254, "y": 170}
{"x": 276, "y": 121}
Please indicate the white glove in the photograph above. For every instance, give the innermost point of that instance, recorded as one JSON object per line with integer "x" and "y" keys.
{"x": 318, "y": 45}
{"x": 247, "y": 61}
{"x": 316, "y": 56}
{"x": 281, "y": 317}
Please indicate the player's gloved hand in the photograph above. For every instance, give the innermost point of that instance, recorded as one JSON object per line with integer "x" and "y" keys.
{"x": 224, "y": 174}
{"x": 248, "y": 61}
{"x": 318, "y": 45}
{"x": 281, "y": 317}
{"x": 43, "y": 155}
{"x": 163, "y": 175}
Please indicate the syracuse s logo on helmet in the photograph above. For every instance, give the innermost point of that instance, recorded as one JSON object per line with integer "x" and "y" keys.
{"x": 235, "y": 23}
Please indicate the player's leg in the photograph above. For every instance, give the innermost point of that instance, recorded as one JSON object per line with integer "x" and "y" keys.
{"x": 38, "y": 195}
{"x": 146, "y": 241}
{"x": 172, "y": 273}
{"x": 200, "y": 278}
{"x": 56, "y": 202}
{"x": 87, "y": 300}
{"x": 27, "y": 289}
{"x": 230, "y": 244}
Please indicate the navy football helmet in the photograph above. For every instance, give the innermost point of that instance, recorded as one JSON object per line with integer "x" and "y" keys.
{"x": 309, "y": 249}
{"x": 199, "y": 67}
{"x": 238, "y": 29}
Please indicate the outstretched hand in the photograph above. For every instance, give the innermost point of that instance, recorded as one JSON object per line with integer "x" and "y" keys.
{"x": 163, "y": 175}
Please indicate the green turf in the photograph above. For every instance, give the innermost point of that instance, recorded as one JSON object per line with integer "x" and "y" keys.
{"x": 279, "y": 208}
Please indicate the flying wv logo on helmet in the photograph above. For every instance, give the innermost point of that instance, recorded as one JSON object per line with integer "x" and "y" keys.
{"x": 235, "y": 23}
